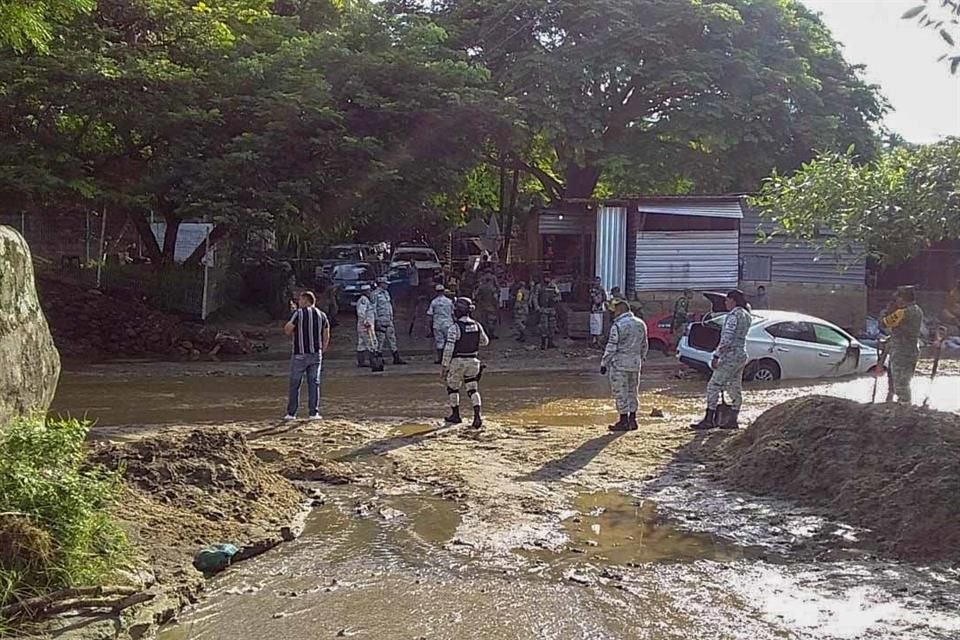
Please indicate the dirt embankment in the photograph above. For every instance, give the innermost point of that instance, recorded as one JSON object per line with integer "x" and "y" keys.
{"x": 185, "y": 491}
{"x": 892, "y": 469}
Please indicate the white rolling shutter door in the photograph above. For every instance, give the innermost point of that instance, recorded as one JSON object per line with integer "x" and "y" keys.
{"x": 674, "y": 260}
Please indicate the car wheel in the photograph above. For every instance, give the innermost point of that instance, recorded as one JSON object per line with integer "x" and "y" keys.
{"x": 658, "y": 345}
{"x": 763, "y": 371}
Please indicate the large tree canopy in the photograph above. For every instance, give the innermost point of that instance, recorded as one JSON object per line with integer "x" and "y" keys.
{"x": 891, "y": 208}
{"x": 293, "y": 115}
{"x": 706, "y": 95}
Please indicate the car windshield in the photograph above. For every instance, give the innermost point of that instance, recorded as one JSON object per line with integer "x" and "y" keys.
{"x": 352, "y": 272}
{"x": 415, "y": 255}
{"x": 342, "y": 253}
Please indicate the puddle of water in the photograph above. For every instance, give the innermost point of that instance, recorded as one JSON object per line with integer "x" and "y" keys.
{"x": 619, "y": 529}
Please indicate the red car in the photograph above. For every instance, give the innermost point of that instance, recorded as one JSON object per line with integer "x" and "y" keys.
{"x": 658, "y": 328}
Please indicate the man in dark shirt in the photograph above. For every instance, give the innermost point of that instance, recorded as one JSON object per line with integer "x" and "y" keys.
{"x": 310, "y": 330}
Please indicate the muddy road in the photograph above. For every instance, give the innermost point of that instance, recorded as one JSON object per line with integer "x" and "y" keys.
{"x": 542, "y": 526}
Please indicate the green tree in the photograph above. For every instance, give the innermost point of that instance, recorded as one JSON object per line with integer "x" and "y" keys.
{"x": 705, "y": 95}
{"x": 944, "y": 18}
{"x": 891, "y": 208}
{"x": 28, "y": 23}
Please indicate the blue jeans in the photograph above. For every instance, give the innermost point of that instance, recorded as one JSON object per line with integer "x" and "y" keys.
{"x": 308, "y": 364}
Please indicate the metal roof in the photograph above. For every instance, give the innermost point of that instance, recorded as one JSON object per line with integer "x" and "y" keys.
{"x": 702, "y": 208}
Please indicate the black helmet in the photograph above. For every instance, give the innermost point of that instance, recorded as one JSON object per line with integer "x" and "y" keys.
{"x": 462, "y": 306}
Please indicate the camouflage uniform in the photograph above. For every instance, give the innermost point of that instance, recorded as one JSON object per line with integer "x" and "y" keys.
{"x": 681, "y": 315}
{"x": 485, "y": 298}
{"x": 521, "y": 311}
{"x": 386, "y": 332}
{"x": 545, "y": 301}
{"x": 905, "y": 325}
{"x": 441, "y": 314}
{"x": 732, "y": 357}
{"x": 366, "y": 317}
{"x": 626, "y": 349}
{"x": 462, "y": 371}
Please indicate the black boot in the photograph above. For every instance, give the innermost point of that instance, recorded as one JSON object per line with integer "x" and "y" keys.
{"x": 477, "y": 419}
{"x": 396, "y": 358}
{"x": 633, "y": 420}
{"x": 623, "y": 424}
{"x": 439, "y": 357}
{"x": 376, "y": 361}
{"x": 733, "y": 421}
{"x": 543, "y": 344}
{"x": 362, "y": 359}
{"x": 550, "y": 344}
{"x": 708, "y": 422}
{"x": 454, "y": 417}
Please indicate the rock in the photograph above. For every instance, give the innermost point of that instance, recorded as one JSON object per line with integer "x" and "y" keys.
{"x": 656, "y": 413}
{"x": 578, "y": 578}
{"x": 31, "y": 363}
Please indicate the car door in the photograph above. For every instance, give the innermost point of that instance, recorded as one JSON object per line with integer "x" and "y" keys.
{"x": 795, "y": 349}
{"x": 833, "y": 351}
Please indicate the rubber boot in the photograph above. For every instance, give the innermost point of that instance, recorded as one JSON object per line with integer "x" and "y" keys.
{"x": 439, "y": 357}
{"x": 733, "y": 422}
{"x": 623, "y": 424}
{"x": 362, "y": 359}
{"x": 454, "y": 417}
{"x": 477, "y": 419}
{"x": 397, "y": 359}
{"x": 633, "y": 421}
{"x": 708, "y": 422}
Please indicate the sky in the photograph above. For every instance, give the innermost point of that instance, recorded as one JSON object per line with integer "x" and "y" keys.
{"x": 901, "y": 58}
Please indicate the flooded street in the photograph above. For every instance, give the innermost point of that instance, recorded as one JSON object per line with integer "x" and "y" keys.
{"x": 543, "y": 526}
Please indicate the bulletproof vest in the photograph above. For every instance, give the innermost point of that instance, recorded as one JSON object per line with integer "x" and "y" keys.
{"x": 547, "y": 297}
{"x": 468, "y": 346}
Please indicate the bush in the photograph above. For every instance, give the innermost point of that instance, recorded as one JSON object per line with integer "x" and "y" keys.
{"x": 55, "y": 525}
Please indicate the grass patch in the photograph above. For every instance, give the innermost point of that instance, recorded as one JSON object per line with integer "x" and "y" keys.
{"x": 56, "y": 530}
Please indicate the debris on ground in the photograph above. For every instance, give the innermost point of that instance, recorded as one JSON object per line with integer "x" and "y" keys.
{"x": 890, "y": 468}
{"x": 199, "y": 488}
{"x": 97, "y": 323}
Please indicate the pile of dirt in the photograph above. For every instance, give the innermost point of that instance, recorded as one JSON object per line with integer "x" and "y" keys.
{"x": 892, "y": 469}
{"x": 183, "y": 492}
{"x": 87, "y": 323}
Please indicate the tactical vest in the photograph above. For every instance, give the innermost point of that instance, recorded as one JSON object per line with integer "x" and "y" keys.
{"x": 547, "y": 297}
{"x": 468, "y": 346}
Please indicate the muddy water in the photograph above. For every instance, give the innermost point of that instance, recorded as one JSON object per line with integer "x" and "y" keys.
{"x": 667, "y": 557}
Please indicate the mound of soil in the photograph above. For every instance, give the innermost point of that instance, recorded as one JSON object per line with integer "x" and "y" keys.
{"x": 183, "y": 492}
{"x": 890, "y": 468}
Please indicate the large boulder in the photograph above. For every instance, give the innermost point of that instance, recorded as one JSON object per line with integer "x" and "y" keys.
{"x": 29, "y": 362}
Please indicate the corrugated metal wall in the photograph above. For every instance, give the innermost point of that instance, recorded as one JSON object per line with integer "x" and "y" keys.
{"x": 707, "y": 208}
{"x": 674, "y": 260}
{"x": 612, "y": 247}
{"x": 796, "y": 263}
{"x": 565, "y": 223}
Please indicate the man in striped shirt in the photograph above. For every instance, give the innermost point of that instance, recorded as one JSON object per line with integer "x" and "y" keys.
{"x": 310, "y": 329}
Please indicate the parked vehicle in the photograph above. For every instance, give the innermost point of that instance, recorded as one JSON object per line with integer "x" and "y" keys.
{"x": 342, "y": 254}
{"x": 660, "y": 328}
{"x": 423, "y": 258}
{"x": 349, "y": 278}
{"x": 783, "y": 345}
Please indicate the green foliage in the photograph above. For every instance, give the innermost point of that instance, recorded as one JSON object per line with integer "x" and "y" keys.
{"x": 55, "y": 527}
{"x": 27, "y": 23}
{"x": 892, "y": 208}
{"x": 942, "y": 17}
{"x": 650, "y": 94}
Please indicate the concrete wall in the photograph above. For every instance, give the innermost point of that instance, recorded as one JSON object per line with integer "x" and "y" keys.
{"x": 844, "y": 305}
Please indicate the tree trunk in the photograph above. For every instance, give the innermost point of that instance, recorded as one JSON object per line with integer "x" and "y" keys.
{"x": 507, "y": 227}
{"x": 580, "y": 182}
{"x": 216, "y": 234}
{"x": 170, "y": 238}
{"x": 146, "y": 237}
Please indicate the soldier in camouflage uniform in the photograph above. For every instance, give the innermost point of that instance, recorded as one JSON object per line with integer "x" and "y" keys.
{"x": 366, "y": 336}
{"x": 521, "y": 310}
{"x": 728, "y": 362}
{"x": 681, "y": 315}
{"x": 386, "y": 331}
{"x": 546, "y": 298}
{"x": 485, "y": 298}
{"x": 904, "y": 322}
{"x": 626, "y": 349}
